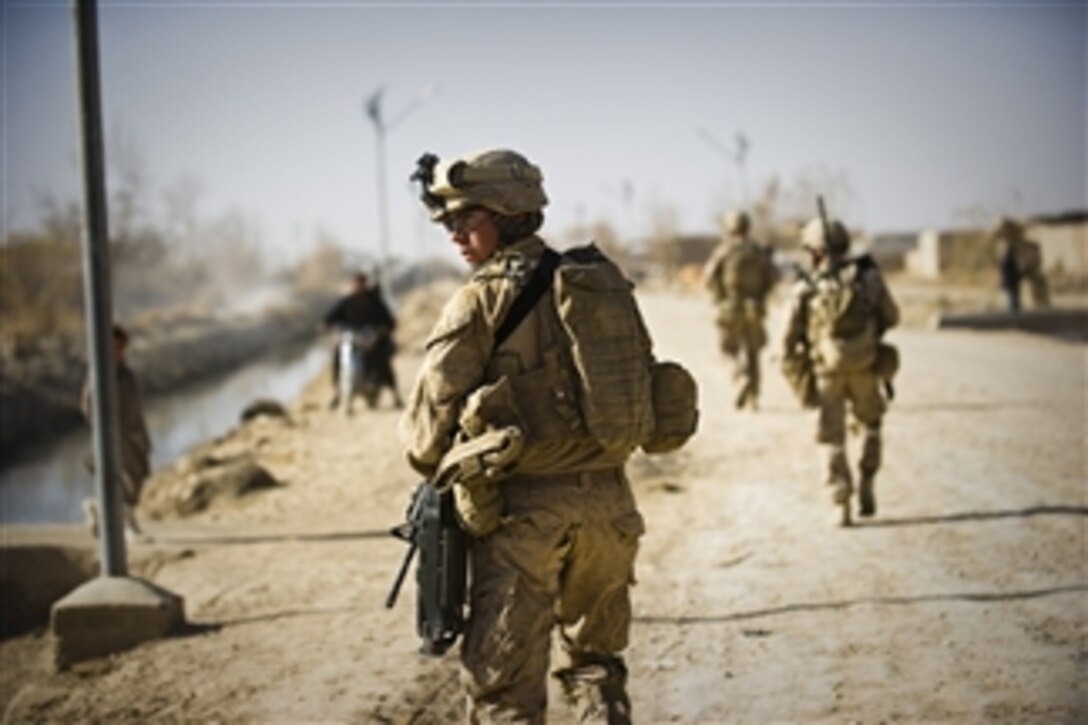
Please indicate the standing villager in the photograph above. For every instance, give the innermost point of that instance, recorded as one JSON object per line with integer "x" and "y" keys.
{"x": 1025, "y": 256}
{"x": 740, "y": 275}
{"x": 835, "y": 325}
{"x": 1009, "y": 272}
{"x": 365, "y": 308}
{"x": 553, "y": 544}
{"x": 134, "y": 440}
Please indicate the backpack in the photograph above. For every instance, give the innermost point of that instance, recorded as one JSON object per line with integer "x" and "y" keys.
{"x": 842, "y": 317}
{"x": 618, "y": 395}
{"x": 609, "y": 346}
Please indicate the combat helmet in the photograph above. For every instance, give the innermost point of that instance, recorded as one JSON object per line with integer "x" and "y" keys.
{"x": 835, "y": 240}
{"x": 500, "y": 180}
{"x": 736, "y": 222}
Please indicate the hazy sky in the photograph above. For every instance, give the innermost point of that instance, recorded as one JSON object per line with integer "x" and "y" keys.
{"x": 927, "y": 108}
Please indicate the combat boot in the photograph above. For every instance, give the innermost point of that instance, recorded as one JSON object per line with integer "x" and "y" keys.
{"x": 841, "y": 498}
{"x": 866, "y": 498}
{"x": 599, "y": 690}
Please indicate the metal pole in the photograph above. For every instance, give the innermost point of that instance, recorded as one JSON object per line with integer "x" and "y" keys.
{"x": 381, "y": 129}
{"x": 96, "y": 289}
{"x": 383, "y": 204}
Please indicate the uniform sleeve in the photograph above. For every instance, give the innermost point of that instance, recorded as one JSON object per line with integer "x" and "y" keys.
{"x": 712, "y": 275}
{"x": 887, "y": 310}
{"x": 795, "y": 322}
{"x": 454, "y": 365}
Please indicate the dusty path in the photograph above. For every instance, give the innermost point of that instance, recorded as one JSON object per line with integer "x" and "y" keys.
{"x": 965, "y": 599}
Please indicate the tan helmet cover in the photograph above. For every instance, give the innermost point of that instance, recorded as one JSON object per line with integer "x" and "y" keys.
{"x": 497, "y": 179}
{"x": 814, "y": 238}
{"x": 736, "y": 222}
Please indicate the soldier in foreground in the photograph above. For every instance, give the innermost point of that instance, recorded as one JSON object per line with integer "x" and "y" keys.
{"x": 740, "y": 275}
{"x": 555, "y": 543}
{"x": 834, "y": 327}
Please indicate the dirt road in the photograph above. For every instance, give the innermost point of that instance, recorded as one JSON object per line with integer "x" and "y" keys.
{"x": 965, "y": 599}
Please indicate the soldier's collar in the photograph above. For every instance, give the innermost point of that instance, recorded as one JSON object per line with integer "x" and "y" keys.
{"x": 515, "y": 261}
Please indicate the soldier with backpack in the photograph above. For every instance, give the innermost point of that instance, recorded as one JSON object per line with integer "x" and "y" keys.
{"x": 503, "y": 412}
{"x": 740, "y": 275}
{"x": 837, "y": 318}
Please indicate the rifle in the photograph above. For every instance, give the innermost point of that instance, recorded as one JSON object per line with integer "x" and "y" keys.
{"x": 823, "y": 218}
{"x": 431, "y": 529}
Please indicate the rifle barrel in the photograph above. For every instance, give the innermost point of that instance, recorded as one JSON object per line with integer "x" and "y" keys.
{"x": 399, "y": 581}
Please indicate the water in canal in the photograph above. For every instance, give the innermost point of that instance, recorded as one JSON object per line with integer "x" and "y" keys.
{"x": 52, "y": 486}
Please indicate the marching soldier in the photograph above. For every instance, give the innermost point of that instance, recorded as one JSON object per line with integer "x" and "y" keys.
{"x": 740, "y": 275}
{"x": 836, "y": 320}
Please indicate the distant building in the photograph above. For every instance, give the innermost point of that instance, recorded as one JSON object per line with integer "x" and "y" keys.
{"x": 890, "y": 249}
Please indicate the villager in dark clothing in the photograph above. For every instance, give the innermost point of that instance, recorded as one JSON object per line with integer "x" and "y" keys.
{"x": 1010, "y": 277}
{"x": 365, "y": 308}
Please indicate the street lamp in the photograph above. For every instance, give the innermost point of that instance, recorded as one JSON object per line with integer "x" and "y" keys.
{"x": 381, "y": 128}
{"x": 737, "y": 155}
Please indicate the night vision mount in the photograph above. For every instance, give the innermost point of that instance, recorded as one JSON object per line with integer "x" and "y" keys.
{"x": 424, "y": 174}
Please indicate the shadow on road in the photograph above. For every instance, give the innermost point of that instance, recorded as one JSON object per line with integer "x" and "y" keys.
{"x": 964, "y": 406}
{"x": 875, "y": 601}
{"x": 270, "y": 617}
{"x": 243, "y": 539}
{"x": 974, "y": 516}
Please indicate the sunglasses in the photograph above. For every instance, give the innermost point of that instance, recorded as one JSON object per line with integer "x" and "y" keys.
{"x": 464, "y": 222}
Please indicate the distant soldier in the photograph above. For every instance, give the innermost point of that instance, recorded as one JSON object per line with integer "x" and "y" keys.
{"x": 1025, "y": 256}
{"x": 740, "y": 275}
{"x": 134, "y": 440}
{"x": 836, "y": 321}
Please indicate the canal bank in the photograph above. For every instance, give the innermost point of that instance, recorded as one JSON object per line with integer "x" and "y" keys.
{"x": 40, "y": 380}
{"x": 49, "y": 486}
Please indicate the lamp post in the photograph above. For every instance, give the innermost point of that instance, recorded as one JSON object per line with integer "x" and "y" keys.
{"x": 381, "y": 129}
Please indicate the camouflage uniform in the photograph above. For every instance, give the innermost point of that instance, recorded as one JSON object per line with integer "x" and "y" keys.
{"x": 565, "y": 550}
{"x": 739, "y": 275}
{"x": 844, "y": 355}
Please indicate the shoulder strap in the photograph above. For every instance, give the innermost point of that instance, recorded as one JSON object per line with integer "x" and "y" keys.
{"x": 538, "y": 284}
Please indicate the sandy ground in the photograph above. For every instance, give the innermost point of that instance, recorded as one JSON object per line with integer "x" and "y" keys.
{"x": 965, "y": 599}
